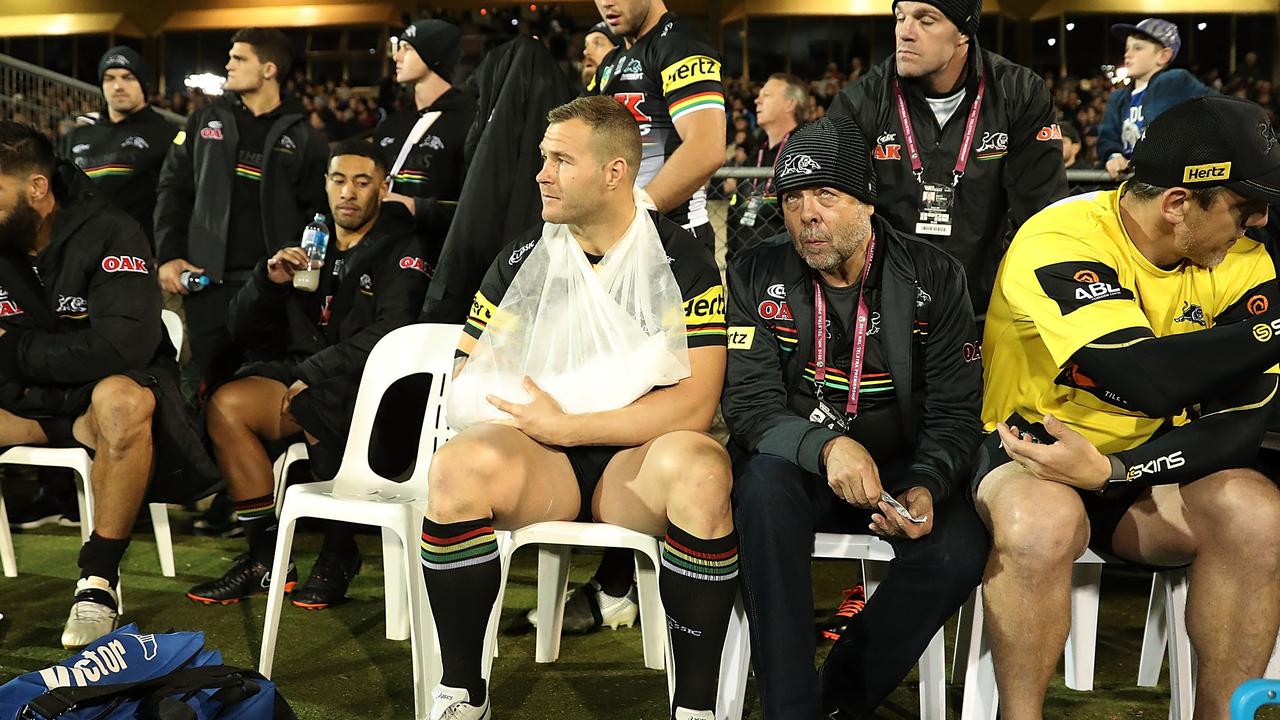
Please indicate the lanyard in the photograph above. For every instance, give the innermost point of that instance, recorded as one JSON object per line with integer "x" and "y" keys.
{"x": 859, "y": 336}
{"x": 760, "y": 163}
{"x": 909, "y": 134}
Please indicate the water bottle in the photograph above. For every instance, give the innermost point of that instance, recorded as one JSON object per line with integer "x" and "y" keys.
{"x": 315, "y": 241}
{"x": 193, "y": 282}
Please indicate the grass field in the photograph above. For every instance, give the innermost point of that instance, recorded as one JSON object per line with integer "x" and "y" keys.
{"x": 336, "y": 664}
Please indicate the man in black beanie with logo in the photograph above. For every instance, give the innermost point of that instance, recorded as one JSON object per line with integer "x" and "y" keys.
{"x": 963, "y": 137}
{"x": 425, "y": 141}
{"x": 596, "y": 44}
{"x": 123, "y": 151}
{"x": 853, "y": 387}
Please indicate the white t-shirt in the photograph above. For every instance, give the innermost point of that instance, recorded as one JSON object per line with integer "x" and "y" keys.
{"x": 943, "y": 108}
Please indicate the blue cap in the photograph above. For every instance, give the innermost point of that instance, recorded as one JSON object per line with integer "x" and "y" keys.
{"x": 1162, "y": 31}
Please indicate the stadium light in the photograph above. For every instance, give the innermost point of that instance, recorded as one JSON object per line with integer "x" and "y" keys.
{"x": 1071, "y": 26}
{"x": 207, "y": 83}
{"x": 1202, "y": 26}
{"x": 1053, "y": 41}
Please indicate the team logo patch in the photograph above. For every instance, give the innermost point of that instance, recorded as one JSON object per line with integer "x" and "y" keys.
{"x": 1206, "y": 172}
{"x": 1074, "y": 285}
{"x": 1268, "y": 135}
{"x": 1191, "y": 313}
{"x": 873, "y": 327}
{"x": 741, "y": 337}
{"x": 633, "y": 71}
{"x": 997, "y": 142}
{"x": 386, "y": 141}
{"x": 433, "y": 142}
{"x": 212, "y": 131}
{"x": 1049, "y": 132}
{"x": 798, "y": 165}
{"x": 886, "y": 148}
{"x": 286, "y": 143}
{"x": 116, "y": 61}
{"x": 80, "y": 148}
{"x": 134, "y": 141}
{"x": 415, "y": 263}
{"x": 411, "y": 31}
{"x": 777, "y": 291}
{"x": 972, "y": 352}
{"x": 1257, "y": 304}
{"x": 774, "y": 310}
{"x": 605, "y": 76}
{"x": 519, "y": 252}
{"x": 693, "y": 69}
{"x": 8, "y": 308}
{"x": 124, "y": 263}
{"x": 922, "y": 298}
{"x": 72, "y": 305}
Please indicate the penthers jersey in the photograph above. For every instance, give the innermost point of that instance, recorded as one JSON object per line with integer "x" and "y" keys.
{"x": 1072, "y": 276}
{"x": 668, "y": 74}
{"x": 695, "y": 271}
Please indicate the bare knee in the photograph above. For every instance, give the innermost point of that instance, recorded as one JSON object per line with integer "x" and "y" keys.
{"x": 230, "y": 409}
{"x": 121, "y": 410}
{"x": 697, "y": 474}
{"x": 464, "y": 470}
{"x": 1237, "y": 510}
{"x": 1035, "y": 525}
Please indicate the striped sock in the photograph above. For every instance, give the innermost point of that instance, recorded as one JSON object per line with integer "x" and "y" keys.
{"x": 258, "y": 518}
{"x": 698, "y": 582}
{"x": 461, "y": 572}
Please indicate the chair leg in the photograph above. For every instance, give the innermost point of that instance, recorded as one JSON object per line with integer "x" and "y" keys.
{"x": 164, "y": 537}
{"x": 1086, "y": 582}
{"x": 7, "y": 555}
{"x": 1182, "y": 680}
{"x": 981, "y": 696}
{"x": 394, "y": 582}
{"x": 1155, "y": 635}
{"x": 420, "y": 646}
{"x": 553, "y": 579}
{"x": 933, "y": 679}
{"x": 653, "y": 619}
{"x": 735, "y": 662}
{"x": 275, "y": 594}
{"x": 964, "y": 635}
{"x": 84, "y": 500}
{"x": 873, "y": 573}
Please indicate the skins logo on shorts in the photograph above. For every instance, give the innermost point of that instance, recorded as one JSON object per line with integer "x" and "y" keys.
{"x": 1075, "y": 284}
{"x": 124, "y": 263}
{"x": 693, "y": 69}
{"x": 1206, "y": 172}
{"x": 1257, "y": 304}
{"x": 741, "y": 337}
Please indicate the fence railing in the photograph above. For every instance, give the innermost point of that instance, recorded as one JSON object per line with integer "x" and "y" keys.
{"x": 47, "y": 100}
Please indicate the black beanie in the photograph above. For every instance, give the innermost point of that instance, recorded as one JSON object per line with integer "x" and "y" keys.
{"x": 831, "y": 152}
{"x": 438, "y": 43}
{"x": 603, "y": 28}
{"x": 123, "y": 57}
{"x": 964, "y": 13}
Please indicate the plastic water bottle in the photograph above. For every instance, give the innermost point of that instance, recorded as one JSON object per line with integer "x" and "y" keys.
{"x": 315, "y": 242}
{"x": 193, "y": 282}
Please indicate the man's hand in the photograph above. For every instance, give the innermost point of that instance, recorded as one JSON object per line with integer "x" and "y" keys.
{"x": 851, "y": 472}
{"x": 171, "y": 275}
{"x": 286, "y": 403}
{"x": 282, "y": 265}
{"x": 1072, "y": 460}
{"x": 541, "y": 418}
{"x": 887, "y": 522}
{"x": 404, "y": 200}
{"x": 1116, "y": 165}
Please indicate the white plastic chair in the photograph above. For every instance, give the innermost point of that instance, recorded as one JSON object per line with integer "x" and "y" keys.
{"x": 1168, "y": 614}
{"x": 358, "y": 494}
{"x": 874, "y": 554}
{"x": 77, "y": 460}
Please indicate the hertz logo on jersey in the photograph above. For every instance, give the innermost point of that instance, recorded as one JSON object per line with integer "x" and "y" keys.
{"x": 693, "y": 69}
{"x": 704, "y": 314}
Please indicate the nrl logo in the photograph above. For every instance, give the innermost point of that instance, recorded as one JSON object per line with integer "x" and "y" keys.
{"x": 798, "y": 165}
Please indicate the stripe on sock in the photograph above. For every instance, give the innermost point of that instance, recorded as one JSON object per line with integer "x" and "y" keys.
{"x": 715, "y": 567}
{"x": 255, "y": 509}
{"x": 473, "y": 547}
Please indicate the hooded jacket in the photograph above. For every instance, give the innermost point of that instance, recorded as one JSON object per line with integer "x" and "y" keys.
{"x": 193, "y": 211}
{"x": 1014, "y": 169}
{"x": 517, "y": 85}
{"x": 937, "y": 374}
{"x": 1164, "y": 90}
{"x": 434, "y": 168}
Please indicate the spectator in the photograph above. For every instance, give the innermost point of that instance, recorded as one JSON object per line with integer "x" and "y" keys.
{"x": 1150, "y": 47}
{"x": 247, "y": 174}
{"x": 1071, "y": 147}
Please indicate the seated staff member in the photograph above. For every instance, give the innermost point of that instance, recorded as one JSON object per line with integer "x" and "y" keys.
{"x": 812, "y": 454}
{"x": 373, "y": 281}
{"x": 649, "y": 466}
{"x": 84, "y": 361}
{"x": 1130, "y": 353}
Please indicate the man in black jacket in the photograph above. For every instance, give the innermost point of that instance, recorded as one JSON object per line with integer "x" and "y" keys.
{"x": 847, "y": 296}
{"x": 123, "y": 151}
{"x": 964, "y": 137}
{"x": 373, "y": 281}
{"x": 84, "y": 361}
{"x": 239, "y": 184}
{"x": 431, "y": 132}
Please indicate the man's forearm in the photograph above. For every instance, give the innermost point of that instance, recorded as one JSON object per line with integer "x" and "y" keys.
{"x": 688, "y": 168}
{"x": 659, "y": 412}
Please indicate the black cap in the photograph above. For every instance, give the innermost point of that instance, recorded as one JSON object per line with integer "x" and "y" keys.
{"x": 1211, "y": 141}
{"x": 437, "y": 42}
{"x": 966, "y": 14}
{"x": 603, "y": 28}
{"x": 123, "y": 57}
{"x": 1069, "y": 130}
{"x": 831, "y": 152}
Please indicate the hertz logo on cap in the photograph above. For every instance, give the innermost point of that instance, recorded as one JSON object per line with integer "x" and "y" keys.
{"x": 1210, "y": 171}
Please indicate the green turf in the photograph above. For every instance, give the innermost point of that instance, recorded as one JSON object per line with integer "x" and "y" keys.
{"x": 336, "y": 664}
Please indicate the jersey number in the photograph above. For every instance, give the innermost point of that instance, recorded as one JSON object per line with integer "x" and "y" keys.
{"x": 631, "y": 101}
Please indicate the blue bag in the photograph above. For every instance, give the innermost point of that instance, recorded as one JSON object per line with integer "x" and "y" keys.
{"x": 127, "y": 675}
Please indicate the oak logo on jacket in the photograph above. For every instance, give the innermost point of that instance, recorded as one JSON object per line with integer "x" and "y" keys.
{"x": 124, "y": 263}
{"x": 211, "y": 131}
{"x": 8, "y": 308}
{"x": 415, "y": 263}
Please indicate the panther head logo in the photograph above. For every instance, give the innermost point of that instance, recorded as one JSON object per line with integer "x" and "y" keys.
{"x": 798, "y": 165}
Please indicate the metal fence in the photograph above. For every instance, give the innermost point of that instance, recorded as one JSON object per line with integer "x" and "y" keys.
{"x": 737, "y": 225}
{"x": 47, "y": 100}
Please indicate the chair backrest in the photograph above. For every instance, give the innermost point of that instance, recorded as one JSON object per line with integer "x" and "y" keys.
{"x": 413, "y": 349}
{"x": 173, "y": 326}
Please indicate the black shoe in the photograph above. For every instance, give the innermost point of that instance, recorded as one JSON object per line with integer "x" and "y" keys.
{"x": 247, "y": 577}
{"x": 327, "y": 585}
{"x": 855, "y": 599}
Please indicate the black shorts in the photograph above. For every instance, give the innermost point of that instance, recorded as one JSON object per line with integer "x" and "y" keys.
{"x": 1104, "y": 513}
{"x": 589, "y": 462}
